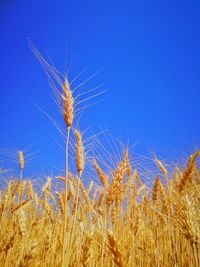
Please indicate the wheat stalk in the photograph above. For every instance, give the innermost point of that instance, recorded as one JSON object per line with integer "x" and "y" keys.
{"x": 68, "y": 116}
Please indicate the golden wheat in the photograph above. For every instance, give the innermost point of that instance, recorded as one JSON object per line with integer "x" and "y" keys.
{"x": 122, "y": 223}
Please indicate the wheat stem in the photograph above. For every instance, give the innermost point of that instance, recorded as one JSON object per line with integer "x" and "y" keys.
{"x": 65, "y": 197}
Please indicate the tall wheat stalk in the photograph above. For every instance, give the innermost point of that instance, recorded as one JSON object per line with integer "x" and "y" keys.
{"x": 80, "y": 163}
{"x": 68, "y": 115}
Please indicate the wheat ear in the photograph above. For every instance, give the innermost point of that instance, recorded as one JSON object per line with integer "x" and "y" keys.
{"x": 21, "y": 162}
{"x": 115, "y": 250}
{"x": 187, "y": 174}
{"x": 68, "y": 104}
{"x": 161, "y": 167}
{"x": 101, "y": 174}
{"x": 80, "y": 161}
{"x": 155, "y": 190}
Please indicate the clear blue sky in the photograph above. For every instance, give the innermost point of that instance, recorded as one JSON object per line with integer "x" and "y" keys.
{"x": 150, "y": 59}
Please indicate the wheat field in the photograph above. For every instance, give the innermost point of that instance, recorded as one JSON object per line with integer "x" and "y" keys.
{"x": 122, "y": 222}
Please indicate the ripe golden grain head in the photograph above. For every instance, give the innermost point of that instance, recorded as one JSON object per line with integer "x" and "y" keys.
{"x": 68, "y": 104}
{"x": 137, "y": 227}
{"x": 101, "y": 174}
{"x": 21, "y": 159}
{"x": 161, "y": 167}
{"x": 188, "y": 172}
{"x": 79, "y": 149}
{"x": 155, "y": 189}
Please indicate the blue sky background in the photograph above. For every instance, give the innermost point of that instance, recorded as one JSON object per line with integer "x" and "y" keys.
{"x": 150, "y": 59}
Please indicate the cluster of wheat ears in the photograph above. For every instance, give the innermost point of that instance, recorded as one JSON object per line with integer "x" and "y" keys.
{"x": 120, "y": 223}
